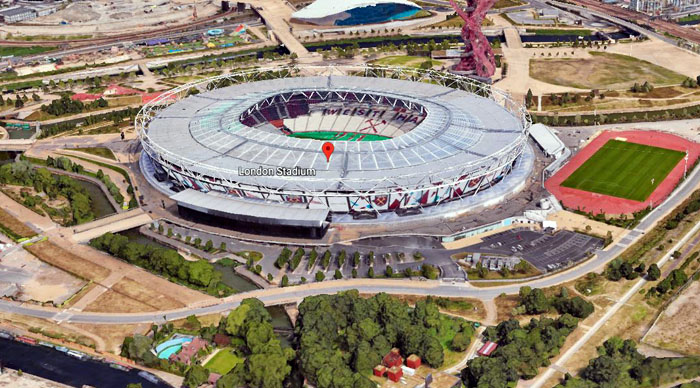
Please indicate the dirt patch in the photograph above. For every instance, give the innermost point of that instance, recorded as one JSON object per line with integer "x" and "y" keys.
{"x": 145, "y": 295}
{"x": 128, "y": 296}
{"x": 114, "y": 302}
{"x": 504, "y": 305}
{"x": 113, "y": 335}
{"x": 51, "y": 253}
{"x": 14, "y": 225}
{"x": 46, "y": 327}
{"x": 678, "y": 328}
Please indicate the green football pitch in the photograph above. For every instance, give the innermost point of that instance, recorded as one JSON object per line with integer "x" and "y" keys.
{"x": 624, "y": 170}
{"x": 338, "y": 136}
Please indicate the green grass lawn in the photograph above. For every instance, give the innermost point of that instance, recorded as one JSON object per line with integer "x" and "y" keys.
{"x": 624, "y": 170}
{"x": 22, "y": 51}
{"x": 97, "y": 151}
{"x": 404, "y": 61}
{"x": 223, "y": 362}
{"x": 338, "y": 136}
{"x": 601, "y": 71}
{"x": 552, "y": 31}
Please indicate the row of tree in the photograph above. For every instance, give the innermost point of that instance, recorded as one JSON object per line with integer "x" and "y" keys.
{"x": 198, "y": 274}
{"x": 534, "y": 301}
{"x": 620, "y": 365}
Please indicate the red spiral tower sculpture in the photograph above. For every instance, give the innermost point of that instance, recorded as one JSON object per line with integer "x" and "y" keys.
{"x": 477, "y": 58}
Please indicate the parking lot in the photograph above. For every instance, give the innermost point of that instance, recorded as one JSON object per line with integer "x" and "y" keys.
{"x": 546, "y": 251}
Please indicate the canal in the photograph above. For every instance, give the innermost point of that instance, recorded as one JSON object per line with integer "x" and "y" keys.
{"x": 99, "y": 203}
{"x": 56, "y": 366}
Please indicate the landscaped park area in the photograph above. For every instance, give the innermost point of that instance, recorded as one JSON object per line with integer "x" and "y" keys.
{"x": 601, "y": 70}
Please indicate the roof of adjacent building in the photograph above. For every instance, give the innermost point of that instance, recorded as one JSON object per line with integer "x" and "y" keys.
{"x": 488, "y": 348}
{"x": 15, "y": 11}
{"x": 323, "y": 8}
{"x": 544, "y": 136}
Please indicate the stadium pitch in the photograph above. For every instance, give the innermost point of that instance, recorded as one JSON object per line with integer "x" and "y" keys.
{"x": 338, "y": 136}
{"x": 624, "y": 170}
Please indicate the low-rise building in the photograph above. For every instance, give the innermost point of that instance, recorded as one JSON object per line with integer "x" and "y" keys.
{"x": 488, "y": 348}
{"x": 17, "y": 14}
{"x": 394, "y": 373}
{"x": 189, "y": 350}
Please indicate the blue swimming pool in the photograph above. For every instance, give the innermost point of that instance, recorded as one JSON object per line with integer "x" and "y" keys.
{"x": 171, "y": 346}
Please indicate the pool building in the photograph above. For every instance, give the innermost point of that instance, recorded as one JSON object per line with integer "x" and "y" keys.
{"x": 180, "y": 348}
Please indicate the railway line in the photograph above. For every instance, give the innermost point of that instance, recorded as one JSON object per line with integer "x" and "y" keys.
{"x": 662, "y": 26}
{"x": 76, "y": 43}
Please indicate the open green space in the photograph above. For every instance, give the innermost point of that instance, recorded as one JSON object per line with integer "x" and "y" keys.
{"x": 338, "y": 136}
{"x": 405, "y": 61}
{"x": 601, "y": 71}
{"x": 97, "y": 151}
{"x": 690, "y": 18}
{"x": 624, "y": 170}
{"x": 223, "y": 362}
{"x": 22, "y": 51}
{"x": 557, "y": 31}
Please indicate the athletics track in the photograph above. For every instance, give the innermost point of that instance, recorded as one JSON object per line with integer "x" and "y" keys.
{"x": 601, "y": 203}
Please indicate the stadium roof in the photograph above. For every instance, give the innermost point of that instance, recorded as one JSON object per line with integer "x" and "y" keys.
{"x": 265, "y": 212}
{"x": 323, "y": 8}
{"x": 462, "y": 134}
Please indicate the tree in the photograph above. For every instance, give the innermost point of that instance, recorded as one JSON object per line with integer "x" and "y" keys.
{"x": 320, "y": 276}
{"x": 535, "y": 301}
{"x": 432, "y": 351}
{"x": 337, "y": 275}
{"x": 19, "y": 103}
{"x": 285, "y": 281}
{"x": 529, "y": 98}
{"x": 653, "y": 273}
{"x": 460, "y": 342}
{"x": 134, "y": 385}
{"x": 602, "y": 370}
{"x": 389, "y": 271}
{"x": 36, "y": 97}
{"x": 429, "y": 271}
{"x": 195, "y": 376}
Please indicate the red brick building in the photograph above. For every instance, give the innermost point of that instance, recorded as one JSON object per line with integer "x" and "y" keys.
{"x": 394, "y": 373}
{"x": 393, "y": 358}
{"x": 413, "y": 361}
{"x": 379, "y": 370}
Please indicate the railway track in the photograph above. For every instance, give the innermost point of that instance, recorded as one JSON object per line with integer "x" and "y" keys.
{"x": 75, "y": 43}
{"x": 662, "y": 26}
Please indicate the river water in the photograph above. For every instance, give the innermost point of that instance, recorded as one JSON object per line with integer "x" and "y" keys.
{"x": 54, "y": 365}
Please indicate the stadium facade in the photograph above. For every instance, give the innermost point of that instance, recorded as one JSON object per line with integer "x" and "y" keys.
{"x": 248, "y": 146}
{"x": 355, "y": 12}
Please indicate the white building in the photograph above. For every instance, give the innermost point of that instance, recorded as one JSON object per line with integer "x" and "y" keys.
{"x": 17, "y": 14}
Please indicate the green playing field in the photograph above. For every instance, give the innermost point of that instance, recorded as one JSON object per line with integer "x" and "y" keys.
{"x": 624, "y": 170}
{"x": 338, "y": 136}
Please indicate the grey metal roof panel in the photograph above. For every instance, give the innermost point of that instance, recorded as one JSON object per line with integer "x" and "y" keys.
{"x": 275, "y": 213}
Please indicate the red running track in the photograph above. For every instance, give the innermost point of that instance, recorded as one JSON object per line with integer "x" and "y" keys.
{"x": 601, "y": 203}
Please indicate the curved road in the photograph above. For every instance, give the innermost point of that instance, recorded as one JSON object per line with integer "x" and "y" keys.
{"x": 276, "y": 296}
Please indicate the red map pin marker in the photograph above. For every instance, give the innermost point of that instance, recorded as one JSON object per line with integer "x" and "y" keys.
{"x": 327, "y": 149}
